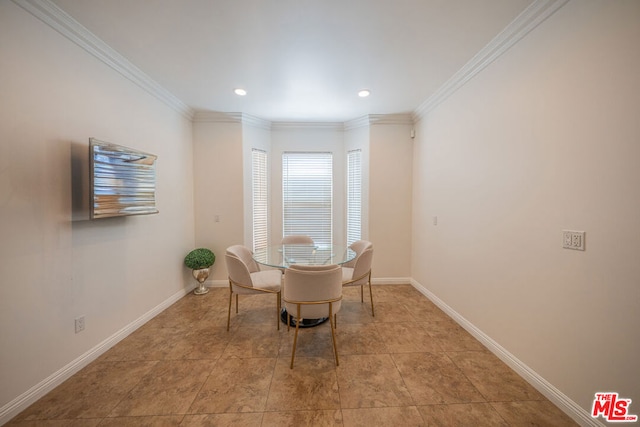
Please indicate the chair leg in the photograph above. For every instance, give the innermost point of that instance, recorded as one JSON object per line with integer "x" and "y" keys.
{"x": 229, "y": 314}
{"x": 333, "y": 332}
{"x": 278, "y": 311}
{"x": 371, "y": 295}
{"x": 237, "y": 303}
{"x": 361, "y": 294}
{"x": 295, "y": 337}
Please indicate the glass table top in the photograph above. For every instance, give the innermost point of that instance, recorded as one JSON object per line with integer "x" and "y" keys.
{"x": 282, "y": 256}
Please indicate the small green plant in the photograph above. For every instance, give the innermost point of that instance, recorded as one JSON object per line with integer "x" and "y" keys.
{"x": 199, "y": 258}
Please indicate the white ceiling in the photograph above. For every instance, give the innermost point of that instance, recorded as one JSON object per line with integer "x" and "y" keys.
{"x": 299, "y": 60}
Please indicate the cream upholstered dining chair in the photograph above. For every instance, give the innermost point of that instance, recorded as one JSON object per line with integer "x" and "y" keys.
{"x": 301, "y": 249}
{"x": 312, "y": 292}
{"x": 357, "y": 272}
{"x": 245, "y": 277}
{"x": 297, "y": 239}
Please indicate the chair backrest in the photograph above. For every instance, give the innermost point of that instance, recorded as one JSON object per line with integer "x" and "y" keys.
{"x": 363, "y": 266}
{"x": 236, "y": 266}
{"x": 245, "y": 255}
{"x": 309, "y": 284}
{"x": 297, "y": 238}
{"x": 358, "y": 247}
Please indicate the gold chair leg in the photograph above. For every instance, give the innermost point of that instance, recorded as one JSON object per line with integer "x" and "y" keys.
{"x": 333, "y": 333}
{"x": 278, "y": 311}
{"x": 229, "y": 314}
{"x": 295, "y": 338}
{"x": 371, "y": 295}
{"x": 361, "y": 294}
{"x": 237, "y": 295}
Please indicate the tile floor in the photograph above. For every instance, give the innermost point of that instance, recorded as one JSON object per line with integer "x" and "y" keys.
{"x": 410, "y": 365}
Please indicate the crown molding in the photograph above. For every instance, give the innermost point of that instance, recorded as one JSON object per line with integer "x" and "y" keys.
{"x": 391, "y": 119}
{"x": 63, "y": 23}
{"x": 222, "y": 117}
{"x": 379, "y": 119}
{"x": 216, "y": 117}
{"x": 307, "y": 125}
{"x": 256, "y": 122}
{"x": 529, "y": 19}
{"x": 357, "y": 123}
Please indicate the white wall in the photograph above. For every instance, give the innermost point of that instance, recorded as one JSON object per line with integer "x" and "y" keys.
{"x": 113, "y": 271}
{"x": 390, "y": 181}
{"x": 545, "y": 139}
{"x": 218, "y": 174}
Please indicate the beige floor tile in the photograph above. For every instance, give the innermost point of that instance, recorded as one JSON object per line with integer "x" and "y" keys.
{"x": 319, "y": 418}
{"x": 432, "y": 378}
{"x": 354, "y": 312}
{"x": 236, "y": 385}
{"x": 450, "y": 336}
{"x": 311, "y": 384}
{"x": 406, "y": 416}
{"x": 223, "y": 420}
{"x": 359, "y": 339}
{"x": 169, "y": 388}
{"x": 462, "y": 415}
{"x": 396, "y": 293}
{"x": 312, "y": 342}
{"x": 408, "y": 337}
{"x": 255, "y": 341}
{"x": 201, "y": 342}
{"x": 368, "y": 381}
{"x": 92, "y": 392}
{"x": 533, "y": 413}
{"x": 85, "y": 422}
{"x": 424, "y": 310}
{"x": 495, "y": 380}
{"x": 150, "y": 421}
{"x": 184, "y": 368}
{"x": 147, "y": 343}
{"x": 391, "y": 312}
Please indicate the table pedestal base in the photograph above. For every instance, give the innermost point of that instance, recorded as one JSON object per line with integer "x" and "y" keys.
{"x": 306, "y": 323}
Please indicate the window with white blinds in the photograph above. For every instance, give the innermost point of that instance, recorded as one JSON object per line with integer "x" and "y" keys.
{"x": 259, "y": 189}
{"x": 307, "y": 195}
{"x": 354, "y": 196}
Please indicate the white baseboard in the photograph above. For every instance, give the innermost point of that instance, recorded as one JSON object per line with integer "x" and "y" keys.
{"x": 390, "y": 280}
{"x": 22, "y": 402}
{"x": 218, "y": 283}
{"x": 568, "y": 406}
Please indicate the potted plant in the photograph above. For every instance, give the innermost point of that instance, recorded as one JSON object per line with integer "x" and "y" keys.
{"x": 199, "y": 260}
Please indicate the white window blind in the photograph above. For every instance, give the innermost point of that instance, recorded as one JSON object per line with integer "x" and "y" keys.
{"x": 260, "y": 198}
{"x": 354, "y": 196}
{"x": 307, "y": 192}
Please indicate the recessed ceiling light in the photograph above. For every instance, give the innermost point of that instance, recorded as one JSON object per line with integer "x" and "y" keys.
{"x": 240, "y": 92}
{"x": 364, "y": 93}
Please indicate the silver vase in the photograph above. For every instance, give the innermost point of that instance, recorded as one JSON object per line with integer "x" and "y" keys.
{"x": 201, "y": 275}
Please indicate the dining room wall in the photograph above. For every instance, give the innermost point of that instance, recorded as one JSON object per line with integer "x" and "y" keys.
{"x": 219, "y": 188}
{"x": 55, "y": 267}
{"x": 544, "y": 139}
{"x": 390, "y": 192}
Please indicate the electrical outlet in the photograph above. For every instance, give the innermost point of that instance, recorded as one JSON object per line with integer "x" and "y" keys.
{"x": 573, "y": 240}
{"x": 79, "y": 324}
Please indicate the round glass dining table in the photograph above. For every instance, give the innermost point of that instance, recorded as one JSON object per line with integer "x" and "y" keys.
{"x": 283, "y": 256}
